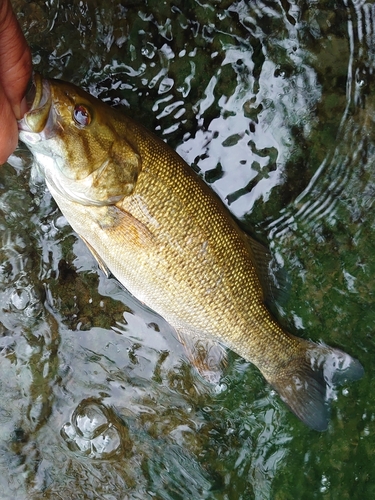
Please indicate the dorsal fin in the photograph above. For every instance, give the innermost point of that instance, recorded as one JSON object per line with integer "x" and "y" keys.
{"x": 274, "y": 281}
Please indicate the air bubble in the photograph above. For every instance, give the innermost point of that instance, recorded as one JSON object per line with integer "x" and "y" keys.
{"x": 94, "y": 431}
{"x": 20, "y": 299}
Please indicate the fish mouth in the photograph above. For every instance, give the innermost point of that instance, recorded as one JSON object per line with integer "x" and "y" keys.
{"x": 39, "y": 102}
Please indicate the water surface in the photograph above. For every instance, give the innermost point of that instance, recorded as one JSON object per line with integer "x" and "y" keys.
{"x": 273, "y": 103}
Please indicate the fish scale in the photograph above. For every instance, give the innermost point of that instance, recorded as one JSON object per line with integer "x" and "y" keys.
{"x": 149, "y": 219}
{"x": 224, "y": 266}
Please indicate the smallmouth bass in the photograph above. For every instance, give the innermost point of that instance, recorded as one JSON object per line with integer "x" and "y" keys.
{"x": 154, "y": 224}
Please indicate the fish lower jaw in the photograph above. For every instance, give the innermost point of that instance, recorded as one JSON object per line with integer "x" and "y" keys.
{"x": 29, "y": 138}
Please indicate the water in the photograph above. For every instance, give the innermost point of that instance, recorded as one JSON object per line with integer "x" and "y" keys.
{"x": 273, "y": 102}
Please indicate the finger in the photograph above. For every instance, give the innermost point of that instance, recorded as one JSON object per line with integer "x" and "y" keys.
{"x": 8, "y": 130}
{"x": 15, "y": 58}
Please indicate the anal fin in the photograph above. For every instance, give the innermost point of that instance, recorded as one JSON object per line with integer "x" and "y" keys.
{"x": 274, "y": 282}
{"x": 206, "y": 355}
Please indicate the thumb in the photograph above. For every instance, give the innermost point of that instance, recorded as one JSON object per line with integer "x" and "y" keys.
{"x": 15, "y": 58}
{"x": 9, "y": 132}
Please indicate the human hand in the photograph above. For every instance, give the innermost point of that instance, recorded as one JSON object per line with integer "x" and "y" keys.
{"x": 15, "y": 73}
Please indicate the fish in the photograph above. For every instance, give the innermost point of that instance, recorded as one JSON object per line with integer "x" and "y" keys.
{"x": 154, "y": 224}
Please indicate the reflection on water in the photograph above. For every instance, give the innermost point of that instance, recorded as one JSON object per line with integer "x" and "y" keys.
{"x": 266, "y": 116}
{"x": 354, "y": 138}
{"x": 272, "y": 102}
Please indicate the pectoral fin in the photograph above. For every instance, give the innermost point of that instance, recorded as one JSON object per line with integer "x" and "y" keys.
{"x": 124, "y": 227}
{"x": 120, "y": 228}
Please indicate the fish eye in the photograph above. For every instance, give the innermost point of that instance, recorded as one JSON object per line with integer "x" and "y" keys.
{"x": 81, "y": 116}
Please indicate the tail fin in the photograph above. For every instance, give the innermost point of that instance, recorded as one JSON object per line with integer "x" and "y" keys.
{"x": 306, "y": 386}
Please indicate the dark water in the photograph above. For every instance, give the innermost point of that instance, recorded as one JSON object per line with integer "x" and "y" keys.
{"x": 274, "y": 103}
